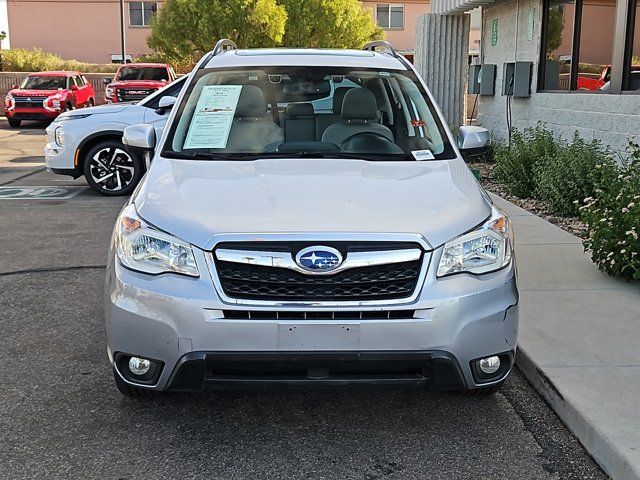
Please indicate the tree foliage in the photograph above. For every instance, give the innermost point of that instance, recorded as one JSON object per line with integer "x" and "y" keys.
{"x": 186, "y": 29}
{"x": 555, "y": 27}
{"x": 329, "y": 24}
{"x": 183, "y": 30}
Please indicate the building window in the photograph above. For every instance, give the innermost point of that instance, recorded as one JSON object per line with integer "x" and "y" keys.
{"x": 631, "y": 78}
{"x": 390, "y": 15}
{"x": 577, "y": 45}
{"x": 140, "y": 13}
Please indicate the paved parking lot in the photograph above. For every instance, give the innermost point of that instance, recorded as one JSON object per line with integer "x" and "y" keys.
{"x": 61, "y": 416}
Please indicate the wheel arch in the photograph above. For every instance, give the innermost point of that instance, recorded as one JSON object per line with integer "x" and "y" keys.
{"x": 88, "y": 143}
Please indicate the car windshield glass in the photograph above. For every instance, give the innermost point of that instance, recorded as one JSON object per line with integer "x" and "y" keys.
{"x": 44, "y": 83}
{"x": 143, "y": 73}
{"x": 306, "y": 111}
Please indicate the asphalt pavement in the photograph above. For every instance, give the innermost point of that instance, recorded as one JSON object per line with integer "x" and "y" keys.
{"x": 61, "y": 416}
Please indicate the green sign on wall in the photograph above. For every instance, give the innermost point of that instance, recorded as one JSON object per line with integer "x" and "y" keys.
{"x": 494, "y": 32}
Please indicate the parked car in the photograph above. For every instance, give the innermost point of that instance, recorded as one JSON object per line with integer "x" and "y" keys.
{"x": 43, "y": 96}
{"x": 270, "y": 245}
{"x": 89, "y": 142}
{"x": 588, "y": 82}
{"x": 135, "y": 81}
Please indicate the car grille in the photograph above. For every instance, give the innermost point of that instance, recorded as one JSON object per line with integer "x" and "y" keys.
{"x": 379, "y": 282}
{"x": 29, "y": 102}
{"x": 133, "y": 94}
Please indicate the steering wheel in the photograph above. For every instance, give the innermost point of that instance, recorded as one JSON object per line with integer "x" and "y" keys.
{"x": 369, "y": 142}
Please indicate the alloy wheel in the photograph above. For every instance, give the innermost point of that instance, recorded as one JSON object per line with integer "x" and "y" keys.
{"x": 112, "y": 169}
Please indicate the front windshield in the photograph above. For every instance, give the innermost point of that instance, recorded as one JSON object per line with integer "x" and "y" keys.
{"x": 143, "y": 73}
{"x": 307, "y": 111}
{"x": 44, "y": 83}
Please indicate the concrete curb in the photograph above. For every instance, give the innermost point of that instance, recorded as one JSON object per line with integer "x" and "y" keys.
{"x": 596, "y": 443}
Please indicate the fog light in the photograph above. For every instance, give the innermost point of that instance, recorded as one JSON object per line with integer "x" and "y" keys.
{"x": 140, "y": 366}
{"x": 489, "y": 365}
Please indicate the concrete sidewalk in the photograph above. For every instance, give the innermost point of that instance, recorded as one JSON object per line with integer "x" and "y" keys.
{"x": 579, "y": 341}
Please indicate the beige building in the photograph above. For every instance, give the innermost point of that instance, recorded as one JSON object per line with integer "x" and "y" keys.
{"x": 89, "y": 30}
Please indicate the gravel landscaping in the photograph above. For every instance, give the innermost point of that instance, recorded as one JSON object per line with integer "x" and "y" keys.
{"x": 570, "y": 224}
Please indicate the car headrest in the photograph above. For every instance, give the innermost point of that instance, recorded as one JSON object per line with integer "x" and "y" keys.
{"x": 359, "y": 104}
{"x": 299, "y": 110}
{"x": 338, "y": 98}
{"x": 251, "y": 102}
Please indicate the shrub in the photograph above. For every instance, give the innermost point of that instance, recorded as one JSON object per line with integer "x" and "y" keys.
{"x": 37, "y": 60}
{"x": 612, "y": 218}
{"x": 515, "y": 162}
{"x": 569, "y": 174}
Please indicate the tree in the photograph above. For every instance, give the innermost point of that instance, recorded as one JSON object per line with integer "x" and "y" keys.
{"x": 184, "y": 30}
{"x": 329, "y": 24}
{"x": 555, "y": 27}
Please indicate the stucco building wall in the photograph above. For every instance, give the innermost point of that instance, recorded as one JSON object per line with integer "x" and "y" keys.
{"x": 612, "y": 119}
{"x": 85, "y": 30}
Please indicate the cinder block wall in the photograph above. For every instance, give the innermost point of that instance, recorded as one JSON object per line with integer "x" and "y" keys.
{"x": 612, "y": 119}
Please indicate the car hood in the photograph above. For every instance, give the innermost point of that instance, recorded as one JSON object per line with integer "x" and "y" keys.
{"x": 100, "y": 109}
{"x": 138, "y": 83}
{"x": 195, "y": 200}
{"x": 34, "y": 93}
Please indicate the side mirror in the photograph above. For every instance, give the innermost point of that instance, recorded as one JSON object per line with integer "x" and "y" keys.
{"x": 473, "y": 140}
{"x": 106, "y": 81}
{"x": 139, "y": 138}
{"x": 166, "y": 103}
{"x": 74, "y": 88}
{"x": 14, "y": 86}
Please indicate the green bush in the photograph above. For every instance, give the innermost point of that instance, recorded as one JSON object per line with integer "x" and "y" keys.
{"x": 37, "y": 60}
{"x": 515, "y": 162}
{"x": 612, "y": 219}
{"x": 569, "y": 174}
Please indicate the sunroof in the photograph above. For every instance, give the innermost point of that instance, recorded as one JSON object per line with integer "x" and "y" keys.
{"x": 303, "y": 51}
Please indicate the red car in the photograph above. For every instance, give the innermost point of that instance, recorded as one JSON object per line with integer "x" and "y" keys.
{"x": 43, "y": 96}
{"x": 135, "y": 81}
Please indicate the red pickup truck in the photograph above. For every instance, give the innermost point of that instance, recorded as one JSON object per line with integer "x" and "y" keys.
{"x": 135, "y": 81}
{"x": 43, "y": 96}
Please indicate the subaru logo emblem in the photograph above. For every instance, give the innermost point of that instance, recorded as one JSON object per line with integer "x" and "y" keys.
{"x": 319, "y": 259}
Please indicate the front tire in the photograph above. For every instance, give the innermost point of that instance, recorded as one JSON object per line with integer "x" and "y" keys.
{"x": 14, "y": 123}
{"x": 132, "y": 391}
{"x": 111, "y": 170}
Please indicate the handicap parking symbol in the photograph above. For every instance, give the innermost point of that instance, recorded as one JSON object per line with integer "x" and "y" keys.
{"x": 38, "y": 193}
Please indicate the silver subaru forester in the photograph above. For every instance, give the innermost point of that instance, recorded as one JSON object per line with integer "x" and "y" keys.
{"x": 308, "y": 219}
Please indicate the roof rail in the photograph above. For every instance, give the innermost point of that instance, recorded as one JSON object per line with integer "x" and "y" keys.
{"x": 223, "y": 45}
{"x": 381, "y": 46}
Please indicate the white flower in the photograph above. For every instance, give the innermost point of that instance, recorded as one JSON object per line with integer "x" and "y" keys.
{"x": 625, "y": 210}
{"x": 624, "y": 250}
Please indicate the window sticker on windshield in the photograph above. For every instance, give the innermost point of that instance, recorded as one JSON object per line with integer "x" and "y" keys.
{"x": 418, "y": 123}
{"x": 213, "y": 117}
{"x": 423, "y": 155}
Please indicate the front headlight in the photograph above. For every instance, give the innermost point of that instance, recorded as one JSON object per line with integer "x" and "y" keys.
{"x": 9, "y": 102}
{"x": 483, "y": 250}
{"x": 109, "y": 92}
{"x": 142, "y": 248}
{"x": 58, "y": 136}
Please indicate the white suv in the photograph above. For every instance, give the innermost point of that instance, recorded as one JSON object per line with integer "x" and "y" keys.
{"x": 89, "y": 141}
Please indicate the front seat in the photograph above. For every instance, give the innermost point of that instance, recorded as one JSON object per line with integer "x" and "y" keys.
{"x": 251, "y": 130}
{"x": 359, "y": 115}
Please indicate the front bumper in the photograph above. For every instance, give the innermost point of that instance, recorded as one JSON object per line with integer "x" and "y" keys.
{"x": 35, "y": 113}
{"x": 179, "y": 321}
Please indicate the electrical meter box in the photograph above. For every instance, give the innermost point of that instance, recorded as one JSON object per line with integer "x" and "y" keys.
{"x": 473, "y": 85}
{"x": 487, "y": 79}
{"x": 516, "y": 79}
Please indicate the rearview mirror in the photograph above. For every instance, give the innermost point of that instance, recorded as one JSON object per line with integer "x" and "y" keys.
{"x": 473, "y": 140}
{"x": 106, "y": 81}
{"x": 74, "y": 88}
{"x": 166, "y": 103}
{"x": 139, "y": 137}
